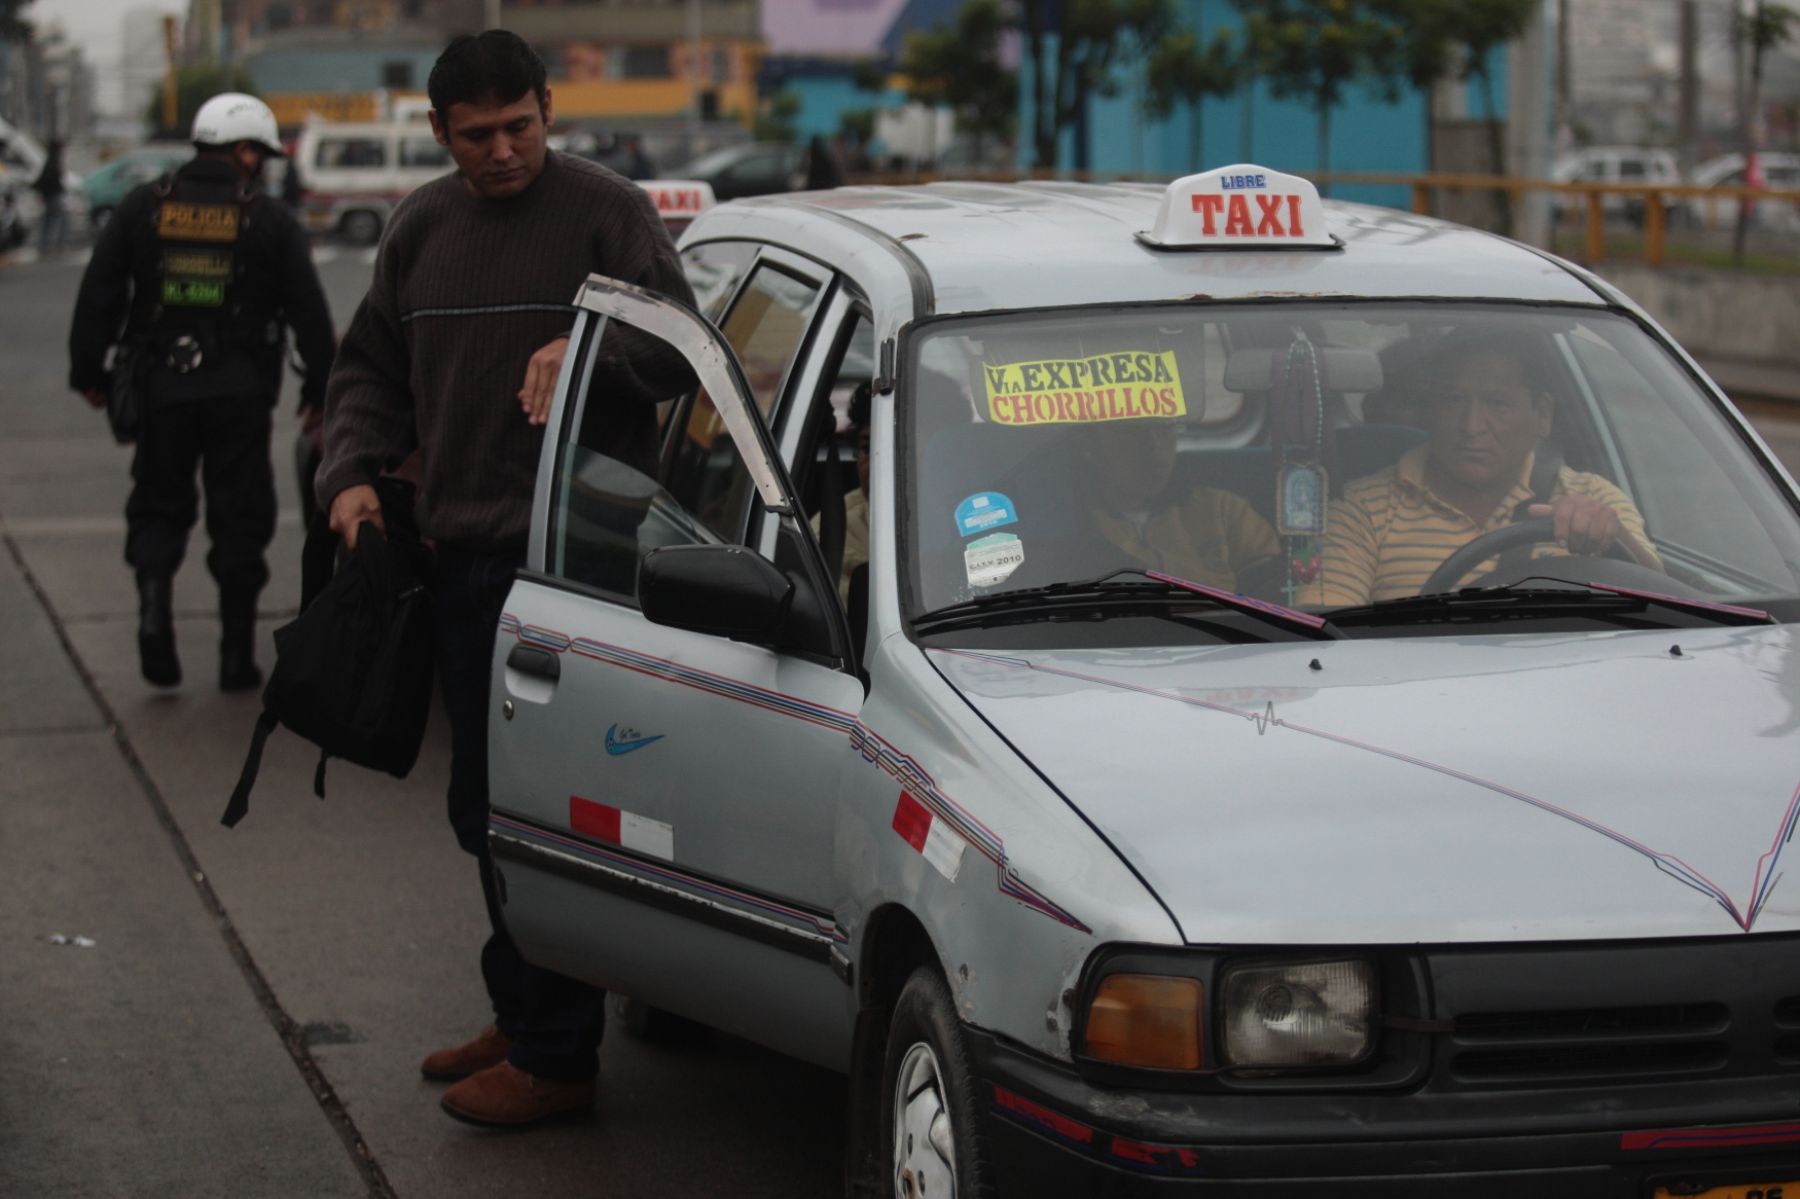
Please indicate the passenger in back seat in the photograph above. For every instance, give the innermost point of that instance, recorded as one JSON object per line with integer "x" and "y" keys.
{"x": 1202, "y": 534}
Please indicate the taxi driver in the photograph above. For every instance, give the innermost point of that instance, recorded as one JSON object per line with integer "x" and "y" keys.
{"x": 1485, "y": 409}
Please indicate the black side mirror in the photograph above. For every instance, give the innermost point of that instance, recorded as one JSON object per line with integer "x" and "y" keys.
{"x": 724, "y": 590}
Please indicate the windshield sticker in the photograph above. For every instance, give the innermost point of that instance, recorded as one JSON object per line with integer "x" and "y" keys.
{"x": 1134, "y": 385}
{"x": 984, "y": 512}
{"x": 990, "y": 560}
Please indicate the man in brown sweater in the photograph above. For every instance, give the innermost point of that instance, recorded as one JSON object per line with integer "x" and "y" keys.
{"x": 455, "y": 351}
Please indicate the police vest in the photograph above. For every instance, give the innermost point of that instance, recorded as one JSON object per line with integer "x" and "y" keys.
{"x": 210, "y": 331}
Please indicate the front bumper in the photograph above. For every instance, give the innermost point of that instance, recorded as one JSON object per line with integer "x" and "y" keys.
{"x": 1049, "y": 1132}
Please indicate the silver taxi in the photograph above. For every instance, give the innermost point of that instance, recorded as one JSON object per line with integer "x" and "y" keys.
{"x": 1320, "y": 714}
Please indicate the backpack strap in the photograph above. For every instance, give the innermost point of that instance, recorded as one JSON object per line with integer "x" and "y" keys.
{"x": 319, "y": 774}
{"x": 240, "y": 794}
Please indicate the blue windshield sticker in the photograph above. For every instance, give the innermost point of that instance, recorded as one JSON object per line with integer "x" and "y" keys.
{"x": 983, "y": 513}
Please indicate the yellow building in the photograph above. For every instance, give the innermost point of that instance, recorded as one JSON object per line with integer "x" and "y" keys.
{"x": 613, "y": 59}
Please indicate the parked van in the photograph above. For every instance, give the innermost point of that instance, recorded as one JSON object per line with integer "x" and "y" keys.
{"x": 355, "y": 173}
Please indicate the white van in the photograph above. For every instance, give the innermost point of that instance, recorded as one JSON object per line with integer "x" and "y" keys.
{"x": 354, "y": 173}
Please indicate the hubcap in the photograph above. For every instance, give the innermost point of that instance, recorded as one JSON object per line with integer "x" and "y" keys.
{"x": 924, "y": 1146}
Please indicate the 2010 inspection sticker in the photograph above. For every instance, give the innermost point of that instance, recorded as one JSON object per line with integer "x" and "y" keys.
{"x": 1130, "y": 385}
{"x": 991, "y": 560}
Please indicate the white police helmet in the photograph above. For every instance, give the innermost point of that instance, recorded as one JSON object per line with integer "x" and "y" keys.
{"x": 233, "y": 117}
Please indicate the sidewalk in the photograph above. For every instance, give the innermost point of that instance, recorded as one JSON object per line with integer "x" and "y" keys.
{"x": 142, "y": 1064}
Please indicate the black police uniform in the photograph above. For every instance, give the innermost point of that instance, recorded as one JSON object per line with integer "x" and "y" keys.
{"x": 192, "y": 280}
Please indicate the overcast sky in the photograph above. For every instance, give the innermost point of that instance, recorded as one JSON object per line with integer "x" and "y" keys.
{"x": 96, "y": 25}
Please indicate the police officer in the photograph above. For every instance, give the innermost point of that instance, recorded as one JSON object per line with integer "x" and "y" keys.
{"x": 189, "y": 286}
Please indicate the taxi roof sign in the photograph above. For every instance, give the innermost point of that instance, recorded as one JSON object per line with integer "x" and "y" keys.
{"x": 1240, "y": 207}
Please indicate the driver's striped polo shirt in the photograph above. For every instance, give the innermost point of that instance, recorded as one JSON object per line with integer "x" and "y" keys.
{"x": 1389, "y": 532}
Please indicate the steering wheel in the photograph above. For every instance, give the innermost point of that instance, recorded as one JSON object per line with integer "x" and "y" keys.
{"x": 1617, "y": 567}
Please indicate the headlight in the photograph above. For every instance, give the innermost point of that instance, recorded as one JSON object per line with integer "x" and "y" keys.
{"x": 1147, "y": 1020}
{"x": 1278, "y": 1014}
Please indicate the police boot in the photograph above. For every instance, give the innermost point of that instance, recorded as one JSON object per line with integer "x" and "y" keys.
{"x": 156, "y": 630}
{"x": 237, "y": 647}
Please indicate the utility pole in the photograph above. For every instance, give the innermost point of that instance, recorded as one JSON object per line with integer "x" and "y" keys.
{"x": 1688, "y": 119}
{"x": 695, "y": 67}
{"x": 171, "y": 56}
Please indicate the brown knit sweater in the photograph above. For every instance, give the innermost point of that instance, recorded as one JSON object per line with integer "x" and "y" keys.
{"x": 465, "y": 291}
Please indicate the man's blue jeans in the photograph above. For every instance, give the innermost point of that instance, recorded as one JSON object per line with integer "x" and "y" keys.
{"x": 555, "y": 1022}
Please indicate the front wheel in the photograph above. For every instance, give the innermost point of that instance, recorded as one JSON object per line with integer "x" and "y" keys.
{"x": 935, "y": 1149}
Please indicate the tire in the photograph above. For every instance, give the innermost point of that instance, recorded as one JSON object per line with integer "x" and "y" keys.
{"x": 931, "y": 1135}
{"x": 361, "y": 227}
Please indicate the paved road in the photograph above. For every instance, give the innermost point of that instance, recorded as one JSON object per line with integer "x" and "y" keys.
{"x": 248, "y": 1020}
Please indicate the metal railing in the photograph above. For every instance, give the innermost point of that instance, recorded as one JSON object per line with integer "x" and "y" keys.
{"x": 1588, "y": 199}
{"x": 1655, "y": 197}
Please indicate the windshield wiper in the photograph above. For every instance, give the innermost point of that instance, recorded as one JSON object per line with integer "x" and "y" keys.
{"x": 1159, "y": 590}
{"x": 1516, "y": 601}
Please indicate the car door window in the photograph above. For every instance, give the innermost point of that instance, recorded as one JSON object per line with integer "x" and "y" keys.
{"x": 607, "y": 509}
{"x": 765, "y": 328}
{"x": 714, "y": 269}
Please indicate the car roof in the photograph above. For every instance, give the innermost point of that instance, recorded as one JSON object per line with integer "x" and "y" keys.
{"x": 984, "y": 246}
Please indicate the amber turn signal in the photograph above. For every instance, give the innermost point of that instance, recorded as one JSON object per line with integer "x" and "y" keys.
{"x": 1146, "y": 1020}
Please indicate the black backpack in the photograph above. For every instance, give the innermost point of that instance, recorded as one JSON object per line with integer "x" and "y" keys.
{"x": 353, "y": 671}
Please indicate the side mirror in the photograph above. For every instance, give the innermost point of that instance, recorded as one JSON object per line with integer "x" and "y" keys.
{"x": 724, "y": 590}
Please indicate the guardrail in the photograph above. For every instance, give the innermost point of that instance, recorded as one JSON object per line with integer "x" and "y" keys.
{"x": 1654, "y": 196}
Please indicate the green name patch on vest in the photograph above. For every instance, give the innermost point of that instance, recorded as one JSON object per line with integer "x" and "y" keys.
{"x": 193, "y": 293}
{"x": 197, "y": 264}
{"x": 197, "y": 222}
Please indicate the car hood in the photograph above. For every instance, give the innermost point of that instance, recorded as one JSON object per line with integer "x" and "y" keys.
{"x": 1497, "y": 788}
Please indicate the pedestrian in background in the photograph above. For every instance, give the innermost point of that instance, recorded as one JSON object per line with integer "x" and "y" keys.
{"x": 456, "y": 350}
{"x": 189, "y": 287}
{"x": 53, "y": 227}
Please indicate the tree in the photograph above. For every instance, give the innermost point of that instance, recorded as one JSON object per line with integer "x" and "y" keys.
{"x": 1479, "y": 28}
{"x": 958, "y": 65}
{"x": 1182, "y": 71}
{"x": 1762, "y": 29}
{"x": 1431, "y": 40}
{"x": 1072, "y": 46}
{"x": 775, "y": 118}
{"x": 194, "y": 86}
{"x": 1314, "y": 49}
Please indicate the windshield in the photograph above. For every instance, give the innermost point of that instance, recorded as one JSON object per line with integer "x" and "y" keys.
{"x": 1327, "y": 457}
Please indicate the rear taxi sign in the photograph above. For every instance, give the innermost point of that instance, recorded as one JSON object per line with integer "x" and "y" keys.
{"x": 679, "y": 199}
{"x": 1239, "y": 207}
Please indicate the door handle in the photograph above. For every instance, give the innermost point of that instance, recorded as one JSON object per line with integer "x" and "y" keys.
{"x": 539, "y": 663}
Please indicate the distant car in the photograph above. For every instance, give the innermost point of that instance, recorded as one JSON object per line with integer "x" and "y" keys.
{"x": 1101, "y": 880}
{"x": 354, "y": 174}
{"x": 1781, "y": 172}
{"x": 104, "y": 186}
{"x": 12, "y": 226}
{"x": 1612, "y": 164}
{"x": 751, "y": 169}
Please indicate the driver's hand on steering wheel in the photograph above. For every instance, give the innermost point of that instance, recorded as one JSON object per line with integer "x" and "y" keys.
{"x": 1584, "y": 525}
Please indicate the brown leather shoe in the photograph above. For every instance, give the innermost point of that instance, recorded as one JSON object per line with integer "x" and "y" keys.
{"x": 487, "y": 1049}
{"x": 505, "y": 1096}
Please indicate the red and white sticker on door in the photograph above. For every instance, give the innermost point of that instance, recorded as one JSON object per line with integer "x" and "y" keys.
{"x": 921, "y": 828}
{"x": 627, "y": 830}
